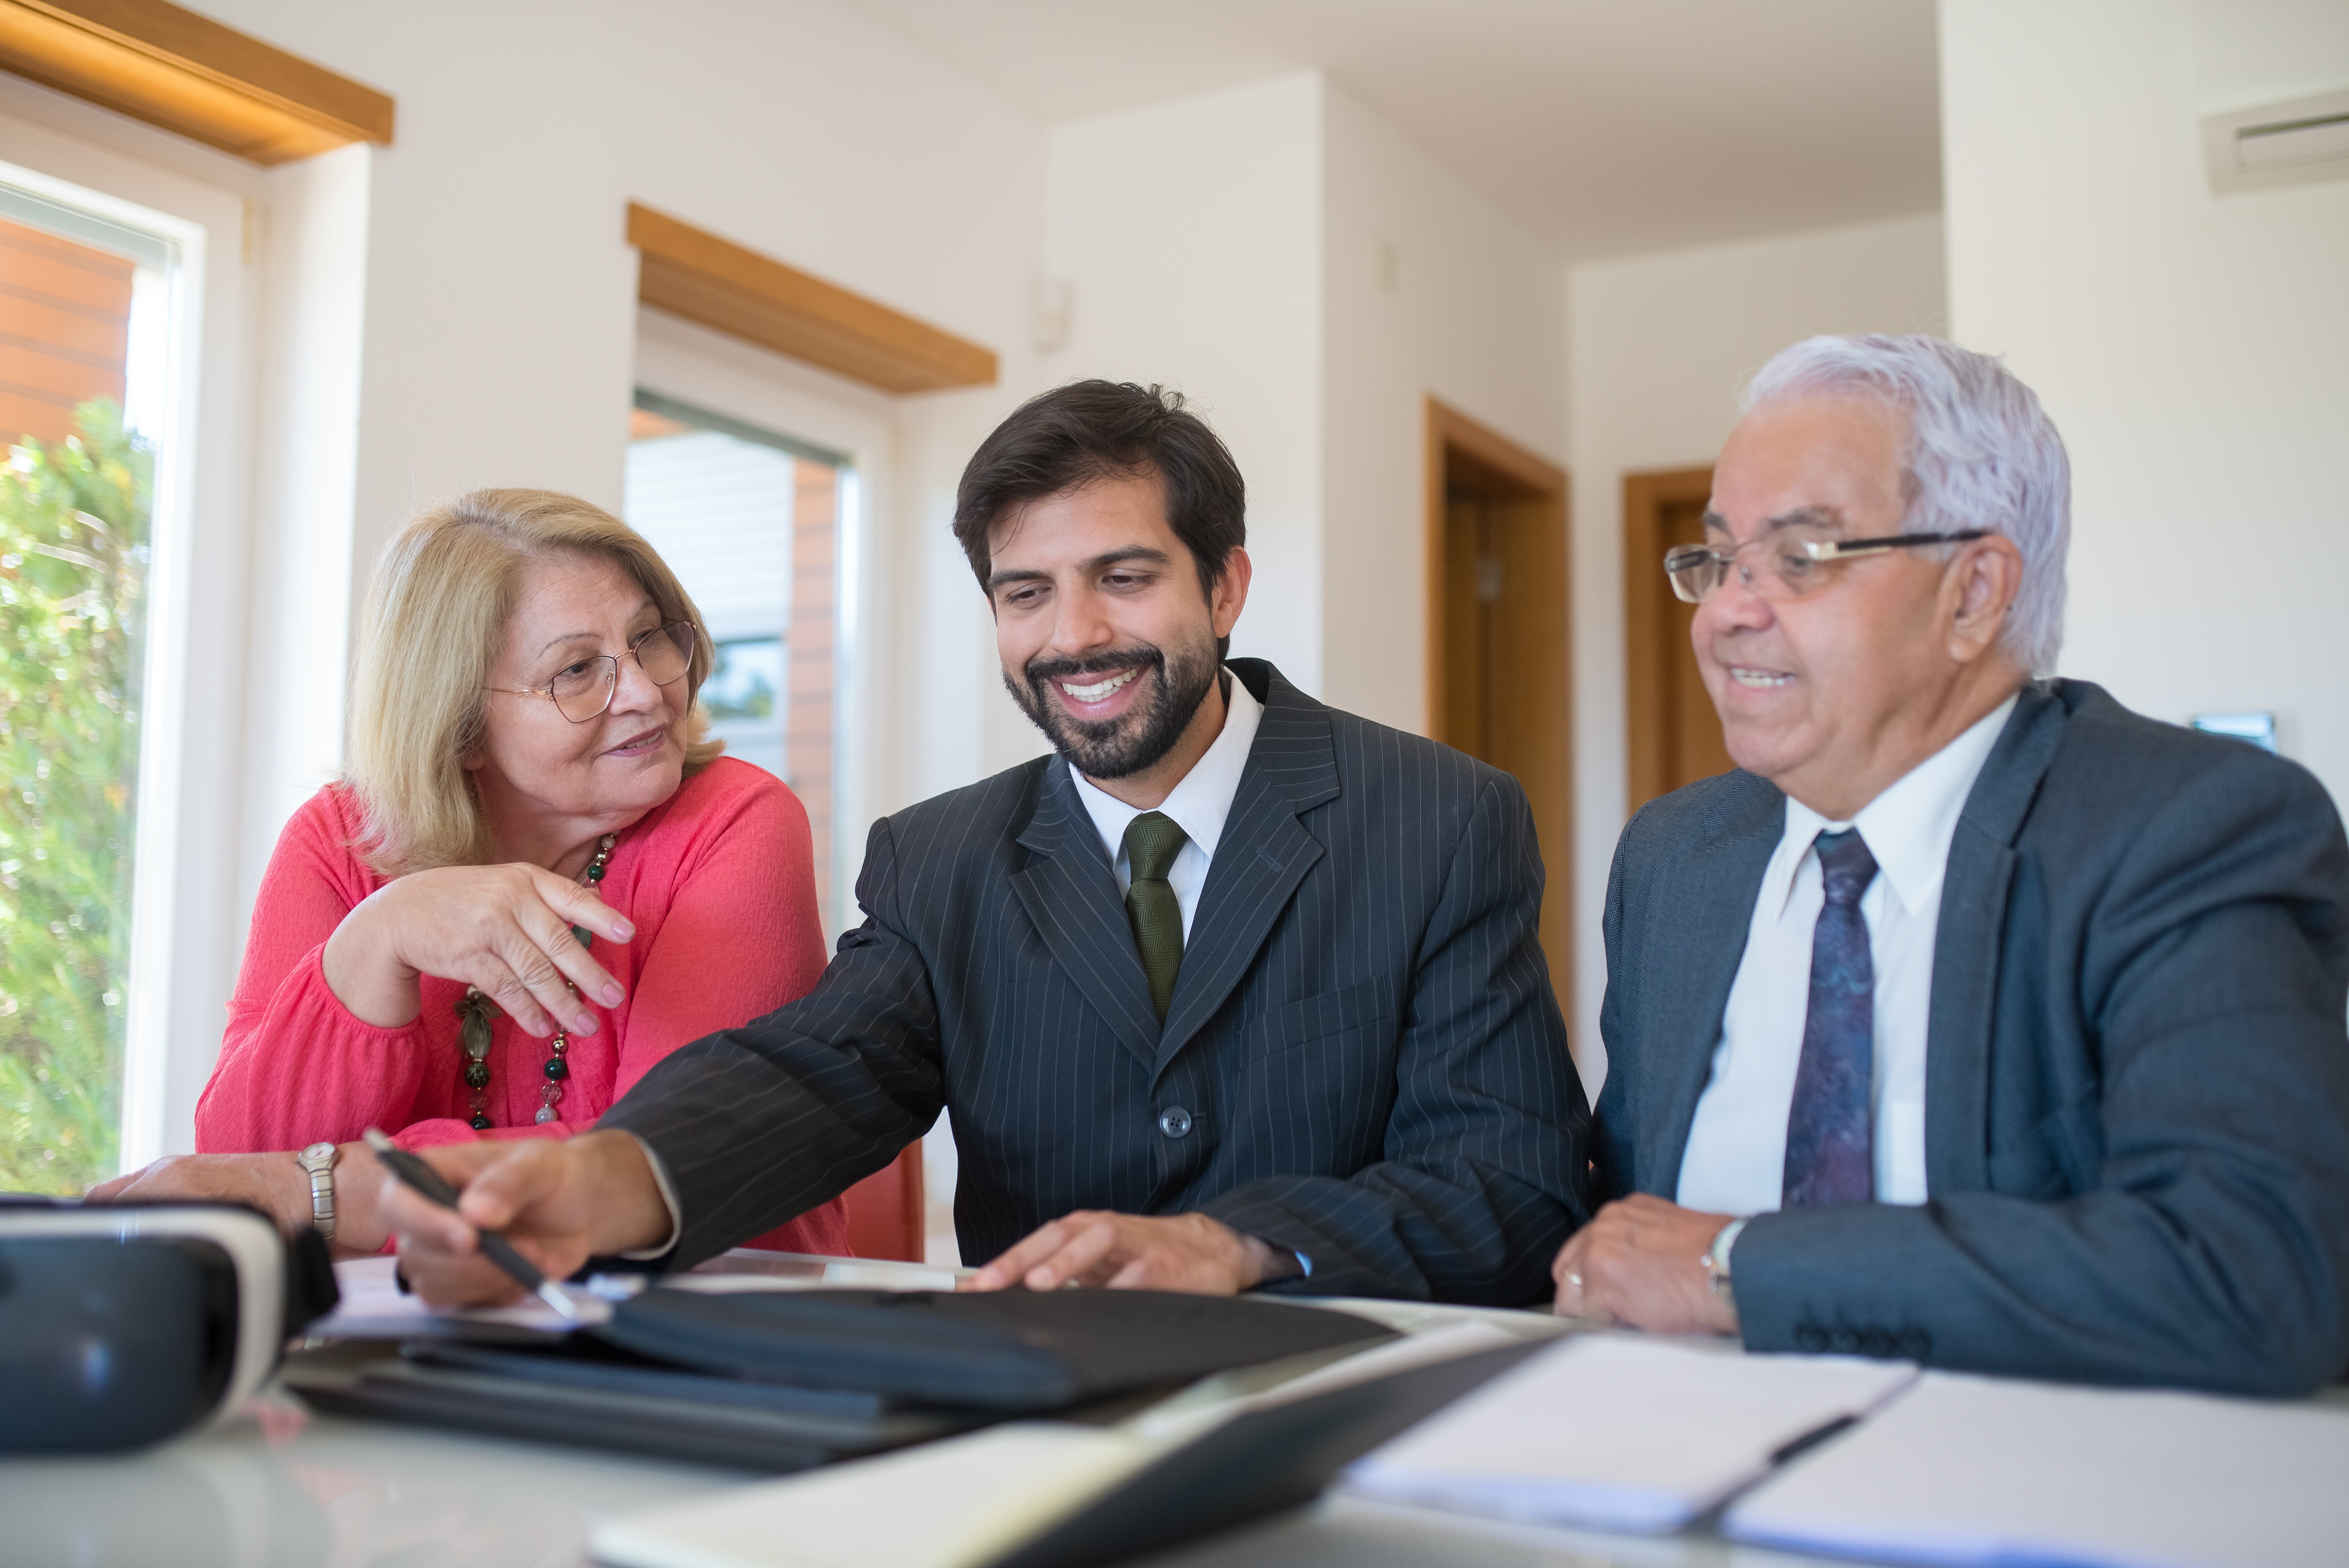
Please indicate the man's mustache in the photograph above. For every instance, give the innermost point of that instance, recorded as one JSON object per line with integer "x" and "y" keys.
{"x": 1040, "y": 670}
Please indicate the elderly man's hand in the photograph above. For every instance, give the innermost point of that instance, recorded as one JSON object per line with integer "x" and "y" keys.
{"x": 1641, "y": 1263}
{"x": 1136, "y": 1252}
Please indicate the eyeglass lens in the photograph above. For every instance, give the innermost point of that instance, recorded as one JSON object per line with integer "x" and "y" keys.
{"x": 583, "y": 691}
{"x": 1776, "y": 566}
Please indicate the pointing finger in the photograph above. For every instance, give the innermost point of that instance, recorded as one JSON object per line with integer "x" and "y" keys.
{"x": 1019, "y": 1257}
{"x": 1087, "y": 1247}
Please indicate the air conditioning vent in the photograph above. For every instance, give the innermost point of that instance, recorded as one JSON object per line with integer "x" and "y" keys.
{"x": 2297, "y": 142}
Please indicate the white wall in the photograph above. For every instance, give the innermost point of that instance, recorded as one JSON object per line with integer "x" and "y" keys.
{"x": 1189, "y": 235}
{"x": 1661, "y": 346}
{"x": 2189, "y": 346}
{"x": 500, "y": 316}
{"x": 1427, "y": 290}
{"x": 1308, "y": 276}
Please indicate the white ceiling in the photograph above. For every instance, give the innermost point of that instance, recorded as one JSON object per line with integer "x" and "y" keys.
{"x": 1605, "y": 126}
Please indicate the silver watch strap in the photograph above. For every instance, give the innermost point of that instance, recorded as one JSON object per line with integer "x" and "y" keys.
{"x": 322, "y": 1190}
{"x": 1716, "y": 1259}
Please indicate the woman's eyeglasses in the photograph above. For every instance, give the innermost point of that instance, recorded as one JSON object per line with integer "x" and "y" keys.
{"x": 582, "y": 691}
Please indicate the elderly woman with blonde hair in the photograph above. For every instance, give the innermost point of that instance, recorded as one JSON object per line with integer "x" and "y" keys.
{"x": 534, "y": 879}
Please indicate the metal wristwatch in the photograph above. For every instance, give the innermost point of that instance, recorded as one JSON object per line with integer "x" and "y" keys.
{"x": 1716, "y": 1260}
{"x": 318, "y": 1160}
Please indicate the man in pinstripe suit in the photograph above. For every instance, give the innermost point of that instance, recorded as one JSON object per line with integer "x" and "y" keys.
{"x": 1232, "y": 991}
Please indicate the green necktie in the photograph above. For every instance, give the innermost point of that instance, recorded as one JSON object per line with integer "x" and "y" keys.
{"x": 1152, "y": 841}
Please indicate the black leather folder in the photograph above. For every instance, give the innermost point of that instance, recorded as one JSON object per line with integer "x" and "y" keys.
{"x": 1012, "y": 1352}
{"x": 784, "y": 1380}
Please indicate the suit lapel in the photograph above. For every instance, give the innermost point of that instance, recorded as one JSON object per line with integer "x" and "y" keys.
{"x": 1967, "y": 942}
{"x": 1264, "y": 853}
{"x": 1069, "y": 892}
{"x": 1713, "y": 904}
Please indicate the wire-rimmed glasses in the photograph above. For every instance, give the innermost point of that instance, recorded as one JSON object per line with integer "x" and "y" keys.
{"x": 1790, "y": 563}
{"x": 582, "y": 691}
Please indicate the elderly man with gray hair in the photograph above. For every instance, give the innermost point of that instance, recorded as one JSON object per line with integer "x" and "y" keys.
{"x": 1974, "y": 1019}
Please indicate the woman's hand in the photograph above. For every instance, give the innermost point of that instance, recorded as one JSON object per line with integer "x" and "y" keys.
{"x": 505, "y": 930}
{"x": 273, "y": 1184}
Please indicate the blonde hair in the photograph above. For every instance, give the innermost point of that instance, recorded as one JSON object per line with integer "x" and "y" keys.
{"x": 436, "y": 613}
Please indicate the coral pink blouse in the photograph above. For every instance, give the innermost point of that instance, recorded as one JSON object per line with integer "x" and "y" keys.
{"x": 720, "y": 883}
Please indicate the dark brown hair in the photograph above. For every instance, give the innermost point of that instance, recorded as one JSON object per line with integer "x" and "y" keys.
{"x": 1089, "y": 430}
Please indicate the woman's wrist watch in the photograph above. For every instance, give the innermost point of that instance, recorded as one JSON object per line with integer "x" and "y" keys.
{"x": 318, "y": 1160}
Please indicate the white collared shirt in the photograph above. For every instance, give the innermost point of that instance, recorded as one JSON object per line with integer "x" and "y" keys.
{"x": 1199, "y": 804}
{"x": 1736, "y": 1154}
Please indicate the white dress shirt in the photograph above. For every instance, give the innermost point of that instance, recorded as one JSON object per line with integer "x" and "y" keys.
{"x": 1736, "y": 1155}
{"x": 1198, "y": 804}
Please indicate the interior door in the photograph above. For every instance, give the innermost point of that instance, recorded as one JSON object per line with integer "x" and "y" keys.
{"x": 1498, "y": 676}
{"x": 1674, "y": 733}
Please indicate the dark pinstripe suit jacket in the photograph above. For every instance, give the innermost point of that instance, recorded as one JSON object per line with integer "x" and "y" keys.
{"x": 1362, "y": 1036}
{"x": 2136, "y": 1076}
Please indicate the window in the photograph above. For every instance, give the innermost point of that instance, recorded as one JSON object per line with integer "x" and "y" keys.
{"x": 89, "y": 335}
{"x": 750, "y": 521}
{"x": 192, "y": 228}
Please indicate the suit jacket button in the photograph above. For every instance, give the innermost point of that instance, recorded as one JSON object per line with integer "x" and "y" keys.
{"x": 1175, "y": 1121}
{"x": 1810, "y": 1336}
{"x": 1844, "y": 1340}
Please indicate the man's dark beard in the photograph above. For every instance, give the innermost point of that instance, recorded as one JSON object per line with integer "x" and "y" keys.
{"x": 1121, "y": 747}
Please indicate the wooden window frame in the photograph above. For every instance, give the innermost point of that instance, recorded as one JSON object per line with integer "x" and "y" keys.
{"x": 187, "y": 73}
{"x": 692, "y": 272}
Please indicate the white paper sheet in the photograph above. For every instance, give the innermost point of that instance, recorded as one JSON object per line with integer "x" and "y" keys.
{"x": 1980, "y": 1470}
{"x": 373, "y": 1307}
{"x": 1618, "y": 1432}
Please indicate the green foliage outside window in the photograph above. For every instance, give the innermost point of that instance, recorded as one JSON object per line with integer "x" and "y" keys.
{"x": 73, "y": 579}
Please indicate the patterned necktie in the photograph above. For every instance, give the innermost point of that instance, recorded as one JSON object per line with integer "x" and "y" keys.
{"x": 1152, "y": 841}
{"x": 1829, "y": 1158}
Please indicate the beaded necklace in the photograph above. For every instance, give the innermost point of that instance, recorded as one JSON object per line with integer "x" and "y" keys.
{"x": 476, "y": 1010}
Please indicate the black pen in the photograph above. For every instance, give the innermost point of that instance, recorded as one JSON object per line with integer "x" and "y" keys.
{"x": 419, "y": 1178}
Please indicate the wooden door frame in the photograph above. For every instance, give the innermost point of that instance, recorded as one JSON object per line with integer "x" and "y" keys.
{"x": 1456, "y": 441}
{"x": 1646, "y": 594}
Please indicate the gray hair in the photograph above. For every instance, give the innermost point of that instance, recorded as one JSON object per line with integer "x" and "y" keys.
{"x": 1982, "y": 454}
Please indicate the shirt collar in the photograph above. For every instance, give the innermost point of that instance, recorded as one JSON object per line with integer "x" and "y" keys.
{"x": 1202, "y": 801}
{"x": 1908, "y": 828}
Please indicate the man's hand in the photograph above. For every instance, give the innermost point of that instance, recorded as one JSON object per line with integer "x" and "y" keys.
{"x": 1641, "y": 1263}
{"x": 1136, "y": 1252}
{"x": 559, "y": 1201}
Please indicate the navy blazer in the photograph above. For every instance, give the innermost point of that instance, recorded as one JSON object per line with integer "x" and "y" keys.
{"x": 2136, "y": 1102}
{"x": 1362, "y": 1060}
